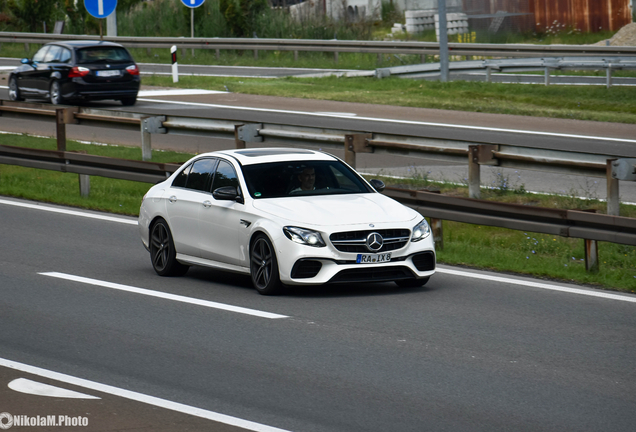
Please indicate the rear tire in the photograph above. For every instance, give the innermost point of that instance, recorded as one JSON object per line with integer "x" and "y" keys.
{"x": 129, "y": 101}
{"x": 264, "y": 267}
{"x": 55, "y": 93}
{"x": 162, "y": 251}
{"x": 14, "y": 90}
{"x": 411, "y": 283}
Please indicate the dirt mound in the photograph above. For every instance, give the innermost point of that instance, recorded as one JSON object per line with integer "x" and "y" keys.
{"x": 624, "y": 37}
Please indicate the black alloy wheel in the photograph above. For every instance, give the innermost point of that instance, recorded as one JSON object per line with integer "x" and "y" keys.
{"x": 14, "y": 90}
{"x": 55, "y": 93}
{"x": 264, "y": 267}
{"x": 162, "y": 251}
{"x": 411, "y": 283}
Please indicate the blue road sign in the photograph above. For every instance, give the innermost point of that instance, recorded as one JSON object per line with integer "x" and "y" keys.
{"x": 100, "y": 8}
{"x": 192, "y": 3}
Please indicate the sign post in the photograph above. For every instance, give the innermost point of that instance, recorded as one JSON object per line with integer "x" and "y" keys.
{"x": 100, "y": 9}
{"x": 192, "y": 4}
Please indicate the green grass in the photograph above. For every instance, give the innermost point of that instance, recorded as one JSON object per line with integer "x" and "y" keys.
{"x": 476, "y": 246}
{"x": 616, "y": 104}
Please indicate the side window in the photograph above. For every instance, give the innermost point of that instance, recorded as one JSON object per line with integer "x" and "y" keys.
{"x": 39, "y": 56}
{"x": 225, "y": 176}
{"x": 200, "y": 174}
{"x": 181, "y": 178}
{"x": 53, "y": 54}
{"x": 65, "y": 56}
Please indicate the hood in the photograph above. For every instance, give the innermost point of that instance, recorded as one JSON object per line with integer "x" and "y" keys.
{"x": 324, "y": 210}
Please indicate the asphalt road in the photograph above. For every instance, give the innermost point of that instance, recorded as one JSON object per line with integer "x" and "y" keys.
{"x": 470, "y": 351}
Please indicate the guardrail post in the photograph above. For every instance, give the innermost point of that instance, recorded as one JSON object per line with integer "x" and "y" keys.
{"x": 613, "y": 200}
{"x": 356, "y": 143}
{"x": 218, "y": 54}
{"x": 240, "y": 144}
{"x": 591, "y": 256}
{"x": 547, "y": 76}
{"x": 474, "y": 174}
{"x": 488, "y": 74}
{"x": 438, "y": 233}
{"x": 335, "y": 57}
{"x": 296, "y": 55}
{"x": 60, "y": 129}
{"x": 146, "y": 142}
{"x": 608, "y": 75}
{"x": 255, "y": 54}
{"x": 84, "y": 185}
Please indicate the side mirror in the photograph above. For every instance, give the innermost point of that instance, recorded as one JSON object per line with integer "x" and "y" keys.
{"x": 377, "y": 184}
{"x": 227, "y": 193}
{"x": 25, "y": 61}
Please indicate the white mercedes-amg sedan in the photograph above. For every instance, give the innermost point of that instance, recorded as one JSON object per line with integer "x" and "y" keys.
{"x": 286, "y": 217}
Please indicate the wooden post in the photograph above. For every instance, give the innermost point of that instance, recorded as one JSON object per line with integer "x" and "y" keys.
{"x": 613, "y": 200}
{"x": 240, "y": 144}
{"x": 218, "y": 54}
{"x": 349, "y": 151}
{"x": 591, "y": 256}
{"x": 335, "y": 57}
{"x": 438, "y": 233}
{"x": 295, "y": 56}
{"x": 60, "y": 128}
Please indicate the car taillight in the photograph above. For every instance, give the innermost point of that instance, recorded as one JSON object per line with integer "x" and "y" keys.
{"x": 133, "y": 70}
{"x": 78, "y": 71}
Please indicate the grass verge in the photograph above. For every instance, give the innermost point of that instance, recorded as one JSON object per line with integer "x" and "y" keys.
{"x": 616, "y": 104}
{"x": 477, "y": 246}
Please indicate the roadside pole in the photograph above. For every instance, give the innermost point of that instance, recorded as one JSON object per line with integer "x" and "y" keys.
{"x": 175, "y": 66}
{"x": 443, "y": 41}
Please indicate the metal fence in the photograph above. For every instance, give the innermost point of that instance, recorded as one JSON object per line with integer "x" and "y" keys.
{"x": 336, "y": 46}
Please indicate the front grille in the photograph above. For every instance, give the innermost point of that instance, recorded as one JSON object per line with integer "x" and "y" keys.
{"x": 355, "y": 241}
{"x": 305, "y": 269}
{"x": 424, "y": 261}
{"x": 370, "y": 274}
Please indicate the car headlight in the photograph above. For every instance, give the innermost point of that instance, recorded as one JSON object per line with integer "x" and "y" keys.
{"x": 304, "y": 236}
{"x": 421, "y": 231}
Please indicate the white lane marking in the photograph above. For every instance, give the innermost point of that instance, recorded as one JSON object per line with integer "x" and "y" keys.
{"x": 211, "y": 75}
{"x": 69, "y": 212}
{"x": 167, "y": 296}
{"x": 339, "y": 114}
{"x": 408, "y": 122}
{"x": 177, "y": 92}
{"x": 27, "y": 386}
{"x": 139, "y": 397}
{"x": 490, "y": 277}
{"x": 7, "y": 68}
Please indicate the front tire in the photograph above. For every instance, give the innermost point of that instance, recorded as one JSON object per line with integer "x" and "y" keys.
{"x": 264, "y": 267}
{"x": 162, "y": 251}
{"x": 55, "y": 93}
{"x": 411, "y": 283}
{"x": 14, "y": 90}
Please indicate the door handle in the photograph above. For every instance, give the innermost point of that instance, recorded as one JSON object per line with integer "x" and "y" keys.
{"x": 172, "y": 199}
{"x": 207, "y": 204}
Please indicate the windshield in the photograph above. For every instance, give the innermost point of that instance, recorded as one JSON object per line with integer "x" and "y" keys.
{"x": 103, "y": 55}
{"x": 285, "y": 179}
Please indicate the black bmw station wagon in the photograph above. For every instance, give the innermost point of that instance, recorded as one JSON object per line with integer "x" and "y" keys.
{"x": 74, "y": 71}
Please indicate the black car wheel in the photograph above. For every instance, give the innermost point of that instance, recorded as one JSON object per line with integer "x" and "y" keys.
{"x": 56, "y": 93}
{"x": 162, "y": 251}
{"x": 264, "y": 267}
{"x": 411, "y": 283}
{"x": 14, "y": 90}
{"x": 129, "y": 101}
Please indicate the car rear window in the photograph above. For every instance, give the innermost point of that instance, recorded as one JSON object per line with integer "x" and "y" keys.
{"x": 103, "y": 55}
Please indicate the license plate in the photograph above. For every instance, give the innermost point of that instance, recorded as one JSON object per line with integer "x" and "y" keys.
{"x": 107, "y": 73}
{"x": 373, "y": 258}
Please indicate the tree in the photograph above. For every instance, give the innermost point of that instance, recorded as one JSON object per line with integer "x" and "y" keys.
{"x": 240, "y": 15}
{"x": 31, "y": 14}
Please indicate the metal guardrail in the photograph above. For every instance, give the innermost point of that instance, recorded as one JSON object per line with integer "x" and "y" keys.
{"x": 564, "y": 223}
{"x": 335, "y": 46}
{"x": 544, "y": 64}
{"x": 474, "y": 153}
{"x": 85, "y": 164}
